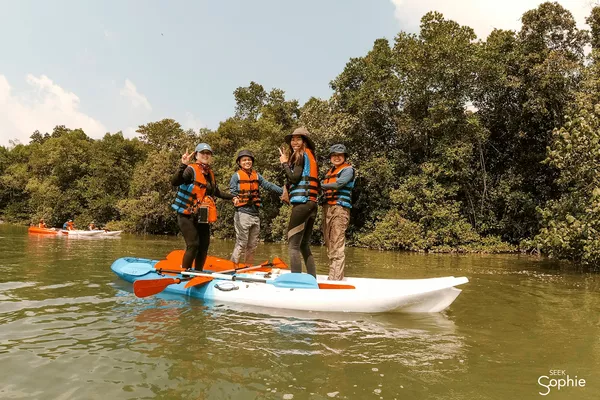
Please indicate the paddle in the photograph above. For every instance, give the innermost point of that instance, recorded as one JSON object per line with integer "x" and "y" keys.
{"x": 158, "y": 285}
{"x": 175, "y": 258}
{"x": 200, "y": 280}
{"x": 148, "y": 287}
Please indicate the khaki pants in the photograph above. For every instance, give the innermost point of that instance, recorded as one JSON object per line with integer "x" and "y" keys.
{"x": 247, "y": 229}
{"x": 335, "y": 223}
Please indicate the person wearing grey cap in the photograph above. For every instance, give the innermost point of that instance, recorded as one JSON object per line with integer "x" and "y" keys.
{"x": 245, "y": 184}
{"x": 197, "y": 186}
{"x": 301, "y": 170}
{"x": 337, "y": 202}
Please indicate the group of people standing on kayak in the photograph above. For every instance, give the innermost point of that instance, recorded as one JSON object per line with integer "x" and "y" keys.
{"x": 197, "y": 188}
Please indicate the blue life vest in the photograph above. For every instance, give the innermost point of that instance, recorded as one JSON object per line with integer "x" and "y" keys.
{"x": 308, "y": 187}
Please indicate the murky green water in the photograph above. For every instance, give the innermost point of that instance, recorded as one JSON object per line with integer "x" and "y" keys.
{"x": 70, "y": 330}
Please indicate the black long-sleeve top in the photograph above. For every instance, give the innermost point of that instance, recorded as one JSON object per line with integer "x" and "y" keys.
{"x": 293, "y": 175}
{"x": 185, "y": 175}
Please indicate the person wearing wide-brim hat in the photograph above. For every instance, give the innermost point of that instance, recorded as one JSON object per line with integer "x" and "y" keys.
{"x": 302, "y": 175}
{"x": 303, "y": 132}
{"x": 245, "y": 184}
{"x": 337, "y": 202}
{"x": 194, "y": 203}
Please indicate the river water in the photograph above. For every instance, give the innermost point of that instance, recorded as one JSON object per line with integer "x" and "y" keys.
{"x": 69, "y": 329}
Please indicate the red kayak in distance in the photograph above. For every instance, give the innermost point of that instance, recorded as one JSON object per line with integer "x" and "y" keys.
{"x": 43, "y": 231}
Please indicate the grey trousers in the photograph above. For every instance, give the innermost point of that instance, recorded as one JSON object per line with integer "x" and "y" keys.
{"x": 335, "y": 223}
{"x": 247, "y": 229}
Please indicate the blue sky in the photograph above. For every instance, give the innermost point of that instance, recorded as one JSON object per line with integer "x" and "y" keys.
{"x": 110, "y": 65}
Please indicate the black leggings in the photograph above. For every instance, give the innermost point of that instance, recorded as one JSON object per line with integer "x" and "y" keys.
{"x": 299, "y": 230}
{"x": 197, "y": 240}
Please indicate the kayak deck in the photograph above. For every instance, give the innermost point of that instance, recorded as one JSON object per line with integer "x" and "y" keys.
{"x": 368, "y": 296}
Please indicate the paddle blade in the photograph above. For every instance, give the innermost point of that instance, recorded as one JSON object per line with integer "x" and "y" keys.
{"x": 217, "y": 264}
{"x": 199, "y": 280}
{"x": 176, "y": 255}
{"x": 168, "y": 265}
{"x": 296, "y": 281}
{"x": 278, "y": 263}
{"x": 149, "y": 287}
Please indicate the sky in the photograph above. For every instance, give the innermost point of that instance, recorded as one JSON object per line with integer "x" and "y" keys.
{"x": 109, "y": 66}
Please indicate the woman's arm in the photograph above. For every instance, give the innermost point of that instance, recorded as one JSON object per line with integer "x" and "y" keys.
{"x": 294, "y": 175}
{"x": 183, "y": 175}
{"x": 268, "y": 185}
{"x": 222, "y": 195}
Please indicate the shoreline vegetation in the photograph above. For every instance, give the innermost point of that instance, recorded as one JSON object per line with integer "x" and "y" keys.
{"x": 460, "y": 145}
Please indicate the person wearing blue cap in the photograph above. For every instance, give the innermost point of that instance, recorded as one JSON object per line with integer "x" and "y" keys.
{"x": 194, "y": 203}
{"x": 337, "y": 202}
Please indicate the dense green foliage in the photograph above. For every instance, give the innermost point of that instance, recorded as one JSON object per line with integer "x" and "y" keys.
{"x": 460, "y": 145}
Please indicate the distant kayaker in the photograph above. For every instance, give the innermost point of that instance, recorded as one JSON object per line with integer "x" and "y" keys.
{"x": 92, "y": 226}
{"x": 245, "y": 184}
{"x": 194, "y": 203}
{"x": 337, "y": 202}
{"x": 302, "y": 174}
{"x": 42, "y": 224}
{"x": 69, "y": 225}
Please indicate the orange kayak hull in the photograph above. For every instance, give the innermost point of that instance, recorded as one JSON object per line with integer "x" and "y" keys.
{"x": 43, "y": 231}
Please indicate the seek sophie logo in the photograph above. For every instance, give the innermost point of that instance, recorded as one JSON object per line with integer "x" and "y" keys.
{"x": 557, "y": 379}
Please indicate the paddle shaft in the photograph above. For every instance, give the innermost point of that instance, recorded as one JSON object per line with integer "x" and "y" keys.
{"x": 214, "y": 275}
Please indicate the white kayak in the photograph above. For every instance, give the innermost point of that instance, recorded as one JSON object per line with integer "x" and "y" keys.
{"x": 282, "y": 289}
{"x": 81, "y": 232}
{"x": 111, "y": 233}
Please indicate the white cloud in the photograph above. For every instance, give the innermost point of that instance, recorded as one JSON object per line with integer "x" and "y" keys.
{"x": 130, "y": 132}
{"x": 137, "y": 99}
{"x": 41, "y": 108}
{"x": 191, "y": 122}
{"x": 481, "y": 15}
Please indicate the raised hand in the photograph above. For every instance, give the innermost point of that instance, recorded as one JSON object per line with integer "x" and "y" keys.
{"x": 185, "y": 159}
{"x": 283, "y": 158}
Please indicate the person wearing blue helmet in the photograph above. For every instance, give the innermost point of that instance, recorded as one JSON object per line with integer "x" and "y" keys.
{"x": 246, "y": 183}
{"x": 194, "y": 203}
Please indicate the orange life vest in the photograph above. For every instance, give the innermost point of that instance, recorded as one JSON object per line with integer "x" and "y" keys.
{"x": 191, "y": 197}
{"x": 341, "y": 196}
{"x": 308, "y": 187}
{"x": 248, "y": 188}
